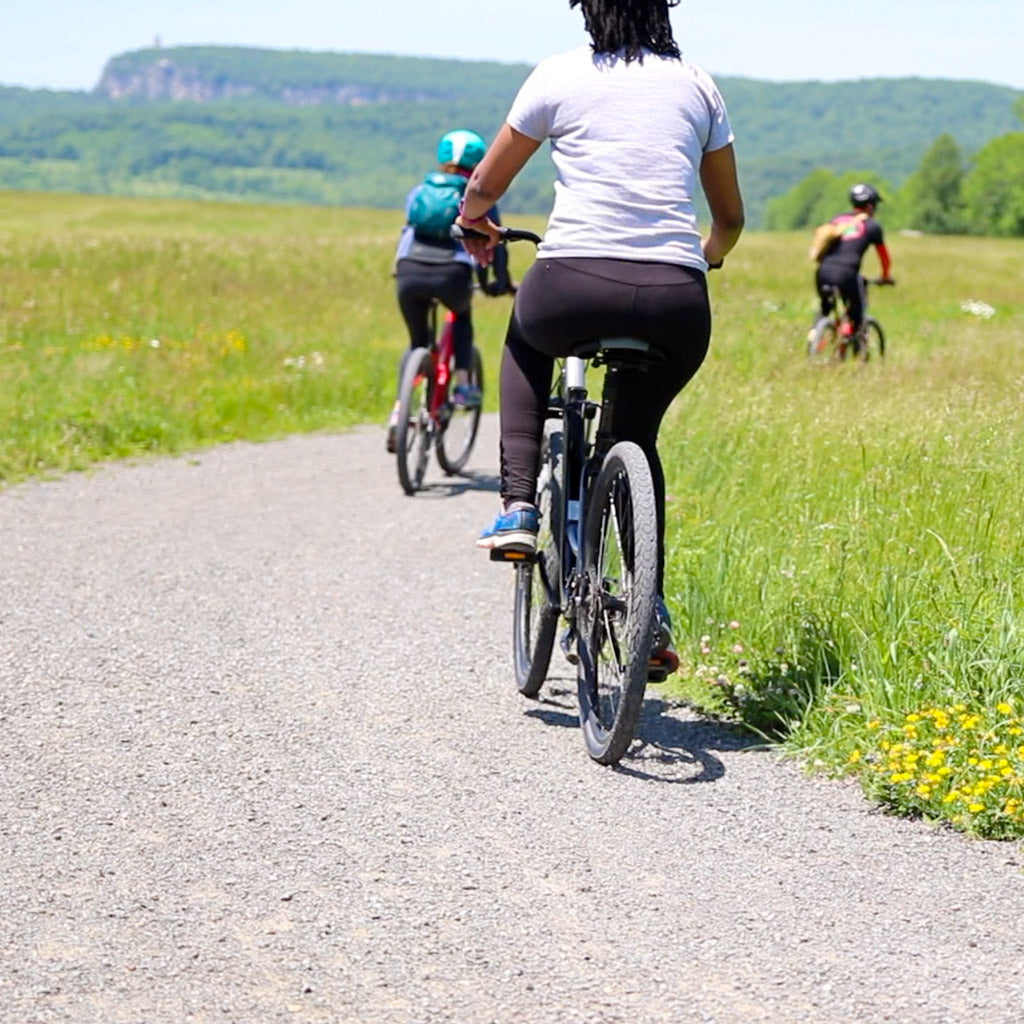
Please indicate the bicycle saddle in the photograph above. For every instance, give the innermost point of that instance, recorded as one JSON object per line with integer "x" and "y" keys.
{"x": 618, "y": 350}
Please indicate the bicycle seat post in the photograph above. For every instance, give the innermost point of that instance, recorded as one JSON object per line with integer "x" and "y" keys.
{"x": 575, "y": 385}
{"x": 575, "y": 375}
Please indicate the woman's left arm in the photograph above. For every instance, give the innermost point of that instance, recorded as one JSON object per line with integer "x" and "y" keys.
{"x": 504, "y": 159}
{"x": 722, "y": 190}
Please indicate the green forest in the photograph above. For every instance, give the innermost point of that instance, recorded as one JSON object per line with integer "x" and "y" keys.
{"x": 359, "y": 130}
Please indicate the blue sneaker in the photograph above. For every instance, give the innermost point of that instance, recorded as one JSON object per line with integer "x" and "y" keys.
{"x": 466, "y": 396}
{"x": 514, "y": 529}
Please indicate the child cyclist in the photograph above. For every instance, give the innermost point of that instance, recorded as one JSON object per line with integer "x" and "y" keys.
{"x": 839, "y": 266}
{"x": 430, "y": 266}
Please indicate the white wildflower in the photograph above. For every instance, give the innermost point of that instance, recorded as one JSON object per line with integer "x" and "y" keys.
{"x": 976, "y": 308}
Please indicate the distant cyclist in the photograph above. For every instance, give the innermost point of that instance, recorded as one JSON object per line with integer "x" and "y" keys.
{"x": 839, "y": 268}
{"x": 430, "y": 266}
{"x": 635, "y": 131}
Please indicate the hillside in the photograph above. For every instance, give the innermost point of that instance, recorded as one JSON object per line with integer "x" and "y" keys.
{"x": 226, "y": 122}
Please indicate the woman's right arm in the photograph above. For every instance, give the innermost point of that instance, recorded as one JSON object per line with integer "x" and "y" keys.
{"x": 503, "y": 160}
{"x": 722, "y": 189}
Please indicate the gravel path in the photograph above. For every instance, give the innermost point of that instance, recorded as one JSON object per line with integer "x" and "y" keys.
{"x": 262, "y": 761}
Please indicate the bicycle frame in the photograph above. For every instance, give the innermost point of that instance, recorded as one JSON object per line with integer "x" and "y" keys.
{"x": 582, "y": 459}
{"x": 843, "y": 337}
{"x": 576, "y": 445}
{"x": 442, "y": 352}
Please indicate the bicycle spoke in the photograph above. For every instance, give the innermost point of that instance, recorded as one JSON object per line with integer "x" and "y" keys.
{"x": 458, "y": 426}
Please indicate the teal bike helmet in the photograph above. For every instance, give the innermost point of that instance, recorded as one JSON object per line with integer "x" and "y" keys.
{"x": 461, "y": 147}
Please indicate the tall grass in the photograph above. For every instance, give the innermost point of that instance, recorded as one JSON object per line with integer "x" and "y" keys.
{"x": 846, "y": 542}
{"x": 132, "y": 326}
{"x": 846, "y": 552}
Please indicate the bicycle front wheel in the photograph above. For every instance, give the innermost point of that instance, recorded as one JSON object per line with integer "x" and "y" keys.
{"x": 458, "y": 434}
{"x": 415, "y": 431}
{"x": 823, "y": 341}
{"x": 616, "y": 620}
{"x": 537, "y": 601}
{"x": 872, "y": 340}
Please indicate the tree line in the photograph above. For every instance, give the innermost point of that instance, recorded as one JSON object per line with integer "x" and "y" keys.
{"x": 948, "y": 193}
{"x": 267, "y": 137}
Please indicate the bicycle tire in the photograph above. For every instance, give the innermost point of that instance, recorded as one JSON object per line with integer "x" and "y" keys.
{"x": 537, "y": 601}
{"x": 616, "y": 620}
{"x": 414, "y": 433}
{"x": 458, "y": 435}
{"x": 873, "y": 339}
{"x": 823, "y": 341}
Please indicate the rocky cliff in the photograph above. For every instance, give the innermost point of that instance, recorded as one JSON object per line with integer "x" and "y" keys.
{"x": 168, "y": 78}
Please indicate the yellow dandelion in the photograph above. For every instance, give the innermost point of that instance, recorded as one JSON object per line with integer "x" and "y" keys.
{"x": 974, "y": 808}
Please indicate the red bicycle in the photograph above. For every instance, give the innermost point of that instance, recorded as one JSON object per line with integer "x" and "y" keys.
{"x": 832, "y": 338}
{"x": 427, "y": 417}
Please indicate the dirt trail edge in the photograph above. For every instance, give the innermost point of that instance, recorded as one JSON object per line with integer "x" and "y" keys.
{"x": 261, "y": 759}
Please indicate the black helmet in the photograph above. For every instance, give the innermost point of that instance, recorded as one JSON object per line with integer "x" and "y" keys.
{"x": 861, "y": 195}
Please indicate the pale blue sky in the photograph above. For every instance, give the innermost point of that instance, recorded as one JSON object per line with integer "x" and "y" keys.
{"x": 63, "y": 44}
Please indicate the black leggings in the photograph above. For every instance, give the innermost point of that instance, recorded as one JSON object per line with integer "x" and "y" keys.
{"x": 562, "y": 302}
{"x": 451, "y": 284}
{"x": 848, "y": 282}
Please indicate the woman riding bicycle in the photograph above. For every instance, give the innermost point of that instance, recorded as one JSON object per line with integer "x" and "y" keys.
{"x": 430, "y": 267}
{"x": 634, "y": 128}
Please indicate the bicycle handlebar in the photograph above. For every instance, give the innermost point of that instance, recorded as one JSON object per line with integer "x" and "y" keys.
{"x": 507, "y": 234}
{"x": 521, "y": 235}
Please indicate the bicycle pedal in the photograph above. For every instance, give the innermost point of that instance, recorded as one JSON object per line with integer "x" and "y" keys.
{"x": 511, "y": 555}
{"x": 660, "y": 667}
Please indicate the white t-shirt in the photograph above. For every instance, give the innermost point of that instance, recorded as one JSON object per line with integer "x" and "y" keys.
{"x": 627, "y": 142}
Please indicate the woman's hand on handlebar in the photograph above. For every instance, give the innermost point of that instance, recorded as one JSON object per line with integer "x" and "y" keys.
{"x": 479, "y": 239}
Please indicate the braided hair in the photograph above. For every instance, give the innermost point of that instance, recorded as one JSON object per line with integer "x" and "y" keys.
{"x": 631, "y": 26}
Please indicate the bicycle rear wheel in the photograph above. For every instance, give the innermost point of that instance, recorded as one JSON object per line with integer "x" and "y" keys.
{"x": 537, "y": 607}
{"x": 616, "y": 611}
{"x": 415, "y": 431}
{"x": 872, "y": 340}
{"x": 458, "y": 434}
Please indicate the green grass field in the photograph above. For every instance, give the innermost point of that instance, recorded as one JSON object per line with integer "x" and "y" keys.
{"x": 845, "y": 543}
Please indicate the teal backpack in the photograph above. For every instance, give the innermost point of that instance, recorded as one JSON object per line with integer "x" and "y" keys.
{"x": 435, "y": 205}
